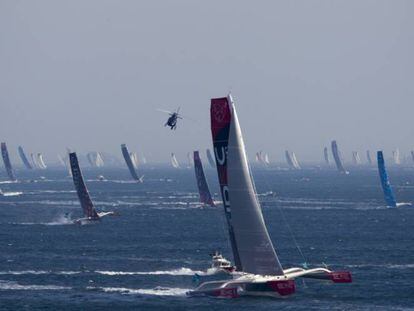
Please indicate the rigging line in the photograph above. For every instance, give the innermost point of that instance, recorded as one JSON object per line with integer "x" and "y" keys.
{"x": 281, "y": 212}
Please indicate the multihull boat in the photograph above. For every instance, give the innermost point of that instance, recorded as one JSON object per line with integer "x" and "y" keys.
{"x": 258, "y": 270}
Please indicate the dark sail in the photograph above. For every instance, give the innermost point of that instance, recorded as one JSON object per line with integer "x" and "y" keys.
{"x": 337, "y": 157}
{"x": 24, "y": 158}
{"x": 129, "y": 162}
{"x": 83, "y": 194}
{"x": 6, "y": 161}
{"x": 203, "y": 190}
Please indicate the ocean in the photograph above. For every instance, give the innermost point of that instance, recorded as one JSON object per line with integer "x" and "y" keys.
{"x": 145, "y": 259}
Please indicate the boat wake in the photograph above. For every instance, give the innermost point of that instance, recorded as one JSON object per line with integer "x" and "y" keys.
{"x": 38, "y": 272}
{"x": 12, "y": 194}
{"x": 157, "y": 291}
{"x": 59, "y": 221}
{"x": 180, "y": 271}
{"x": 12, "y": 285}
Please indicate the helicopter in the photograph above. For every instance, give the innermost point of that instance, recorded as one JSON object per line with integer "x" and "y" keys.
{"x": 172, "y": 119}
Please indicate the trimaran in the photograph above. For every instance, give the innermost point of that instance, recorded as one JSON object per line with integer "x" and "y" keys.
{"x": 259, "y": 270}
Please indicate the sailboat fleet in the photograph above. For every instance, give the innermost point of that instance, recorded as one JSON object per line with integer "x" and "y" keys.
{"x": 257, "y": 270}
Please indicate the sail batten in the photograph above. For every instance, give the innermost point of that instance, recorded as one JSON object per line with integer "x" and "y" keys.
{"x": 252, "y": 247}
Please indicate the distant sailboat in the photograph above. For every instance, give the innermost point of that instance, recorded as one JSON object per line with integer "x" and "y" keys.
{"x": 291, "y": 160}
{"x": 174, "y": 161}
{"x": 130, "y": 164}
{"x": 6, "y": 161}
{"x": 89, "y": 211}
{"x": 203, "y": 189}
{"x": 24, "y": 158}
{"x": 369, "y": 160}
{"x": 260, "y": 272}
{"x": 210, "y": 159}
{"x": 355, "y": 158}
{"x": 41, "y": 161}
{"x": 396, "y": 156}
{"x": 337, "y": 157}
{"x": 326, "y": 155}
{"x": 266, "y": 159}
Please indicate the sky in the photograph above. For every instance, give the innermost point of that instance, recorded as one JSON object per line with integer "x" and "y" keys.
{"x": 90, "y": 74}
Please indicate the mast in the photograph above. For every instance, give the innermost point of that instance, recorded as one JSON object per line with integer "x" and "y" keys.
{"x": 129, "y": 162}
{"x": 203, "y": 189}
{"x": 252, "y": 248}
{"x": 385, "y": 183}
{"x": 24, "y": 158}
{"x": 83, "y": 194}
{"x": 7, "y": 163}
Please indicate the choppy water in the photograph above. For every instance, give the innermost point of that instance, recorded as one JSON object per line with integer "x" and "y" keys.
{"x": 145, "y": 258}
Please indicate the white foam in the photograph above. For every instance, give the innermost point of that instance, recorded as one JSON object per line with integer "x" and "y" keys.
{"x": 38, "y": 272}
{"x": 11, "y": 285}
{"x": 12, "y": 194}
{"x": 158, "y": 291}
{"x": 180, "y": 271}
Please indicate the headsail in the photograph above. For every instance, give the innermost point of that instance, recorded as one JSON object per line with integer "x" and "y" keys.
{"x": 83, "y": 194}
{"x": 174, "y": 161}
{"x": 369, "y": 160}
{"x": 210, "y": 159}
{"x": 295, "y": 161}
{"x": 385, "y": 183}
{"x": 99, "y": 160}
{"x": 203, "y": 189}
{"x": 134, "y": 158}
{"x": 129, "y": 163}
{"x": 7, "y": 163}
{"x": 337, "y": 157}
{"x": 252, "y": 248}
{"x": 326, "y": 155}
{"x": 24, "y": 158}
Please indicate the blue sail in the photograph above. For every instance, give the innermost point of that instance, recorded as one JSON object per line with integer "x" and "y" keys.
{"x": 83, "y": 194}
{"x": 24, "y": 158}
{"x": 7, "y": 163}
{"x": 385, "y": 183}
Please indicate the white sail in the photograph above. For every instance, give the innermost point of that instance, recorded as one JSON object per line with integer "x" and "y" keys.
{"x": 99, "y": 161}
{"x": 266, "y": 159}
{"x": 355, "y": 158}
{"x": 253, "y": 245}
{"x": 295, "y": 161}
{"x": 41, "y": 161}
{"x": 34, "y": 161}
{"x": 396, "y": 156}
{"x": 174, "y": 161}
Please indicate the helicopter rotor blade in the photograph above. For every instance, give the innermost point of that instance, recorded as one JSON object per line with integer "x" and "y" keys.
{"x": 165, "y": 111}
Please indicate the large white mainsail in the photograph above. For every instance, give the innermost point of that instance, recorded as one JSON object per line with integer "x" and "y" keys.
{"x": 253, "y": 250}
{"x": 174, "y": 161}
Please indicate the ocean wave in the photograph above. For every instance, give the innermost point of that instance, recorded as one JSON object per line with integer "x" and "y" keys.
{"x": 12, "y": 285}
{"x": 157, "y": 291}
{"x": 61, "y": 220}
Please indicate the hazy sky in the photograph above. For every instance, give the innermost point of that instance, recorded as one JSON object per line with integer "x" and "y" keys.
{"x": 90, "y": 74}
